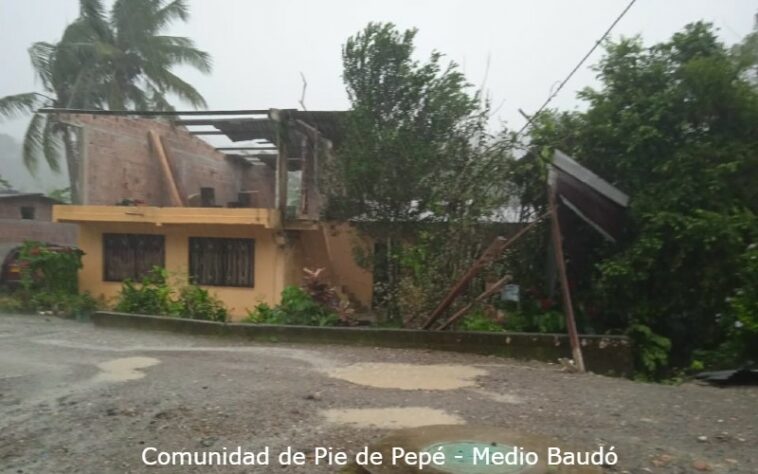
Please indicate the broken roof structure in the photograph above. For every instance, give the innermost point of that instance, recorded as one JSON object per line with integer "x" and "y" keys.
{"x": 284, "y": 140}
{"x": 596, "y": 201}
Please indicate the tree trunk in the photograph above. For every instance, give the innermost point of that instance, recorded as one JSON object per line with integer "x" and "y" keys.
{"x": 70, "y": 143}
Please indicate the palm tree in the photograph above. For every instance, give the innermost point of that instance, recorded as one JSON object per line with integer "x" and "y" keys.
{"x": 116, "y": 61}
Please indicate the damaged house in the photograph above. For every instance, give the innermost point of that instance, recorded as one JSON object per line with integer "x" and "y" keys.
{"x": 240, "y": 221}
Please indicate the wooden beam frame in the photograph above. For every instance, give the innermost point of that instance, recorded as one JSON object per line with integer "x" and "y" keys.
{"x": 160, "y": 151}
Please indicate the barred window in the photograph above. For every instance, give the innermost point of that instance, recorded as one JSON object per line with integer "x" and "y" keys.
{"x": 221, "y": 262}
{"x": 131, "y": 256}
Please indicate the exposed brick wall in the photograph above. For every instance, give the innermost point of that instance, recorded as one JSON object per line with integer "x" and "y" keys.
{"x": 10, "y": 208}
{"x": 261, "y": 179}
{"x": 17, "y": 230}
{"x": 119, "y": 163}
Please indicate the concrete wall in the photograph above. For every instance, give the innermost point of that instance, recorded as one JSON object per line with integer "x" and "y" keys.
{"x": 16, "y": 231}
{"x": 119, "y": 163}
{"x": 610, "y": 355}
{"x": 10, "y": 207}
{"x": 271, "y": 261}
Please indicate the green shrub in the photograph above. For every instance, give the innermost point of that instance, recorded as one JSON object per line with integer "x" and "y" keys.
{"x": 651, "y": 351}
{"x": 49, "y": 282}
{"x": 64, "y": 304}
{"x": 156, "y": 294}
{"x": 152, "y": 295}
{"x": 196, "y": 303}
{"x": 60, "y": 304}
{"x": 296, "y": 308}
{"x": 51, "y": 271}
{"x": 12, "y": 304}
{"x": 479, "y": 321}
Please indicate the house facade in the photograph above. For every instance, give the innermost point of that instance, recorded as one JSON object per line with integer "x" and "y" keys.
{"x": 239, "y": 221}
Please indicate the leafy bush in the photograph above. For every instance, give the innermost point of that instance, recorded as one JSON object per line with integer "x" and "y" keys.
{"x": 152, "y": 295}
{"x": 155, "y": 294}
{"x": 327, "y": 296}
{"x": 480, "y": 321}
{"x": 651, "y": 351}
{"x": 11, "y": 304}
{"x": 50, "y": 270}
{"x": 196, "y": 303}
{"x": 49, "y": 282}
{"x": 76, "y": 304}
{"x": 296, "y": 308}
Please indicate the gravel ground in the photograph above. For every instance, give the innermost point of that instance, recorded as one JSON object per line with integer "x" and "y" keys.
{"x": 62, "y": 411}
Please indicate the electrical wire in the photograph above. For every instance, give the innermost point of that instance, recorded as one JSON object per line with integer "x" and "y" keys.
{"x": 530, "y": 120}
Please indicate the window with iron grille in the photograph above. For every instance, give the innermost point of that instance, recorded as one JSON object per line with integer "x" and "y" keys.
{"x": 221, "y": 262}
{"x": 131, "y": 256}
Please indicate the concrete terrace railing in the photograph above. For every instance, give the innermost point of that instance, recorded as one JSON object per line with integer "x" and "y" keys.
{"x": 611, "y": 355}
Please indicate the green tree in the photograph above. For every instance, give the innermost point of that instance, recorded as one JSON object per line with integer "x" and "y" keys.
{"x": 415, "y": 153}
{"x": 674, "y": 125}
{"x": 412, "y": 126}
{"x": 115, "y": 61}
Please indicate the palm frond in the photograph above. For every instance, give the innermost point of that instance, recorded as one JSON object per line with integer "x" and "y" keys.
{"x": 33, "y": 142}
{"x": 92, "y": 12}
{"x": 82, "y": 92}
{"x": 175, "y": 10}
{"x": 137, "y": 97}
{"x": 158, "y": 101}
{"x": 42, "y": 56}
{"x": 14, "y": 105}
{"x": 167, "y": 82}
{"x": 51, "y": 146}
{"x": 174, "y": 50}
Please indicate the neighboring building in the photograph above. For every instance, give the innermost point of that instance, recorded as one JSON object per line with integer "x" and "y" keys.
{"x": 153, "y": 193}
{"x": 27, "y": 206}
{"x": 28, "y": 216}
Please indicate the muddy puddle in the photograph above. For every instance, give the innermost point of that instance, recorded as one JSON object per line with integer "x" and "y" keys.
{"x": 409, "y": 376}
{"x": 391, "y": 418}
{"x": 123, "y": 369}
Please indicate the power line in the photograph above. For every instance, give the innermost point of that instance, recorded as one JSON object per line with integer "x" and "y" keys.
{"x": 530, "y": 120}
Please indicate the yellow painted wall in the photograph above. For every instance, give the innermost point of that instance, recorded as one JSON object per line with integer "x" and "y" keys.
{"x": 278, "y": 260}
{"x": 332, "y": 247}
{"x": 271, "y": 261}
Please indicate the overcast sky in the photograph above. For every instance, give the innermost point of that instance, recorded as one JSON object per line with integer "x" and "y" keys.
{"x": 260, "y": 48}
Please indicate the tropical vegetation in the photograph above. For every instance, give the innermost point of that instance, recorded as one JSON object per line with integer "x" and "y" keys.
{"x": 116, "y": 60}
{"x": 672, "y": 124}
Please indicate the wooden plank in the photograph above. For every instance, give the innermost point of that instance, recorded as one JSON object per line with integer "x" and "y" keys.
{"x": 489, "y": 254}
{"x": 487, "y": 293}
{"x": 152, "y": 113}
{"x": 492, "y": 252}
{"x": 281, "y": 169}
{"x": 157, "y": 143}
{"x": 218, "y": 121}
{"x": 565, "y": 291}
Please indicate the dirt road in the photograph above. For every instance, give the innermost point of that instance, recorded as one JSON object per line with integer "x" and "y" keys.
{"x": 75, "y": 398}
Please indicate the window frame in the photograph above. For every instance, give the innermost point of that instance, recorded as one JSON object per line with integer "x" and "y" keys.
{"x": 134, "y": 250}
{"x": 193, "y": 263}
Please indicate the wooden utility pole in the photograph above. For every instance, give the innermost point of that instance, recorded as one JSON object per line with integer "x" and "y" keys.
{"x": 568, "y": 308}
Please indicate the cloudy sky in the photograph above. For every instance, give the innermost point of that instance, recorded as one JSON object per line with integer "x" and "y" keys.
{"x": 260, "y": 48}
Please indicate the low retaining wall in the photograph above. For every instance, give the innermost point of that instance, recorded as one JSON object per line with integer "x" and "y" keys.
{"x": 610, "y": 355}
